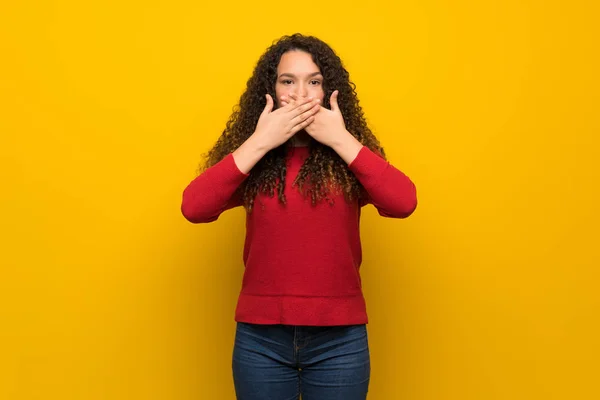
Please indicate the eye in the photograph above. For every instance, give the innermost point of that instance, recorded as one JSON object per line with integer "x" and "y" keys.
{"x": 315, "y": 82}
{"x": 286, "y": 81}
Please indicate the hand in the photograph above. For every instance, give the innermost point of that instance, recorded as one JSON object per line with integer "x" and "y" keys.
{"x": 328, "y": 126}
{"x": 276, "y": 127}
{"x": 329, "y": 129}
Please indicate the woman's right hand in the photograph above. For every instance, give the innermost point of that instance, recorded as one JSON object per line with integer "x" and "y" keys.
{"x": 274, "y": 128}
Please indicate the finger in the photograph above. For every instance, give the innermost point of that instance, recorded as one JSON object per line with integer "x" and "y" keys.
{"x": 307, "y": 113}
{"x": 299, "y": 99}
{"x": 299, "y": 110}
{"x": 302, "y": 125}
{"x": 333, "y": 100}
{"x": 303, "y": 104}
{"x": 269, "y": 105}
{"x": 291, "y": 104}
{"x": 288, "y": 99}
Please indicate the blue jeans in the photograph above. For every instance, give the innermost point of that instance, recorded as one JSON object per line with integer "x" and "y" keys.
{"x": 282, "y": 362}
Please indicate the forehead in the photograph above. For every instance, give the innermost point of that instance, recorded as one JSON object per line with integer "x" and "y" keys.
{"x": 297, "y": 62}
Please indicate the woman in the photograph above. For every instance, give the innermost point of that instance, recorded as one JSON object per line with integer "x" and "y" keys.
{"x": 299, "y": 156}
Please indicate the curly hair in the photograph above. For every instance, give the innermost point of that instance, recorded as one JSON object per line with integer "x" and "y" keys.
{"x": 324, "y": 170}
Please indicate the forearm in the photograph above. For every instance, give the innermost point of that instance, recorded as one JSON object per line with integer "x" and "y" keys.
{"x": 249, "y": 154}
{"x": 346, "y": 146}
{"x": 391, "y": 191}
{"x": 212, "y": 192}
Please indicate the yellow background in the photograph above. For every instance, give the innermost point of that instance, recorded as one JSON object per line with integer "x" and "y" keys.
{"x": 489, "y": 291}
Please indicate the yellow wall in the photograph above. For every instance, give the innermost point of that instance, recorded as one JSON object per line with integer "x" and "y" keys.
{"x": 486, "y": 292}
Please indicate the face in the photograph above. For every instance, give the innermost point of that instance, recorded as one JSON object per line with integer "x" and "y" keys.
{"x": 298, "y": 74}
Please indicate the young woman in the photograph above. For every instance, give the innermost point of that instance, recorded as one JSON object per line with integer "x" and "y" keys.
{"x": 299, "y": 156}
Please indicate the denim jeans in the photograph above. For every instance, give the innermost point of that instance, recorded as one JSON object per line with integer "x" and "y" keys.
{"x": 282, "y": 362}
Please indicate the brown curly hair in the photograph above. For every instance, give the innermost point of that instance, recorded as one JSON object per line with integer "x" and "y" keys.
{"x": 324, "y": 169}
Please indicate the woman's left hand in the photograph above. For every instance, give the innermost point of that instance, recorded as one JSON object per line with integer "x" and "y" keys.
{"x": 328, "y": 126}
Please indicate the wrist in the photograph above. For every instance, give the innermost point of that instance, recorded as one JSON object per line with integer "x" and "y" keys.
{"x": 347, "y": 146}
{"x": 256, "y": 145}
{"x": 248, "y": 154}
{"x": 345, "y": 140}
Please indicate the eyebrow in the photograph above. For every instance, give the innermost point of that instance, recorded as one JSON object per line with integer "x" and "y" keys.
{"x": 293, "y": 76}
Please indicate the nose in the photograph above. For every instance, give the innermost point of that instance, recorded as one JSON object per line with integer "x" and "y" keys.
{"x": 302, "y": 90}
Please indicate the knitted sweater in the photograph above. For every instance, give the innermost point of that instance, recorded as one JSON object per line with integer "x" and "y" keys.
{"x": 302, "y": 262}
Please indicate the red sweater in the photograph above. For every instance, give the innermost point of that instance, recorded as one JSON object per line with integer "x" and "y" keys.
{"x": 301, "y": 261}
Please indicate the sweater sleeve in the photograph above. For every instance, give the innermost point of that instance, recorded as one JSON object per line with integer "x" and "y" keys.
{"x": 213, "y": 192}
{"x": 392, "y": 193}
